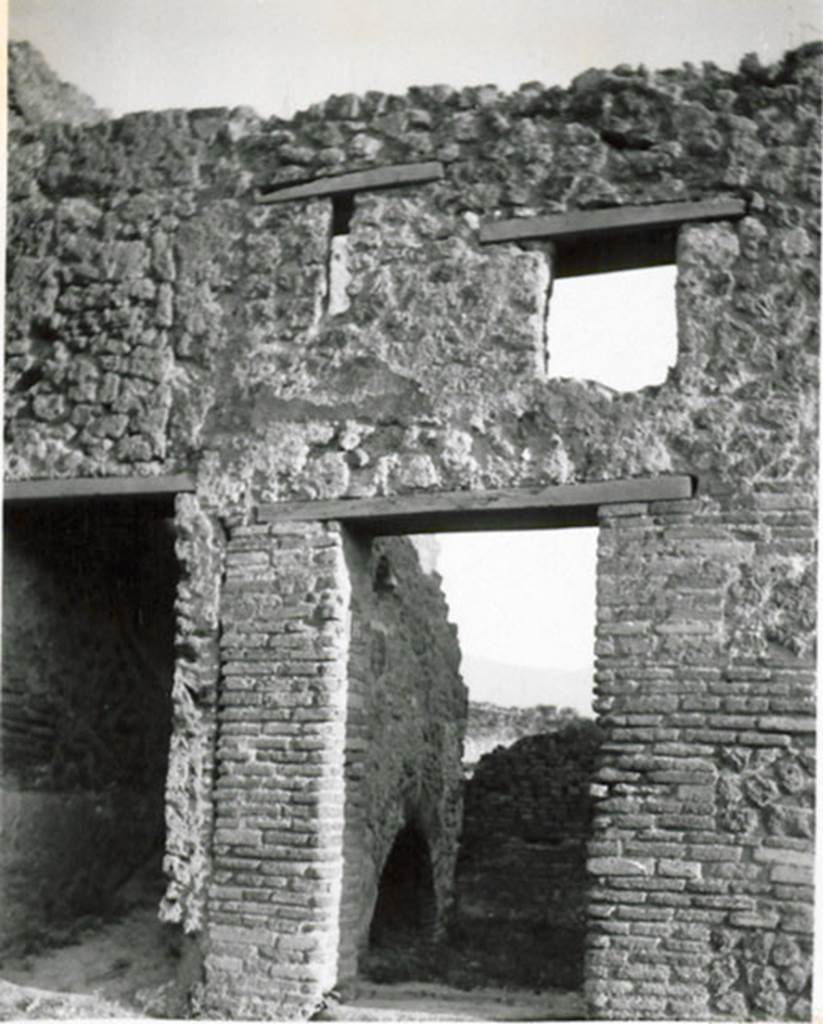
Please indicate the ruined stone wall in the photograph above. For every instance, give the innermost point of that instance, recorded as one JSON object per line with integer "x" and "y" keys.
{"x": 521, "y": 882}
{"x": 87, "y": 670}
{"x": 36, "y": 95}
{"x": 490, "y": 726}
{"x": 158, "y": 319}
{"x": 406, "y": 716}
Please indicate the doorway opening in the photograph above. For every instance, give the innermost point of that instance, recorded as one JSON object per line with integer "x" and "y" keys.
{"x": 404, "y": 712}
{"x": 88, "y": 661}
{"x": 524, "y": 606}
{"x": 523, "y": 602}
{"x": 482, "y": 881}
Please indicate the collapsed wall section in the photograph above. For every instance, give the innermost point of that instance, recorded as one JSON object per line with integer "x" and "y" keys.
{"x": 88, "y": 626}
{"x": 406, "y": 718}
{"x": 37, "y": 96}
{"x": 490, "y": 726}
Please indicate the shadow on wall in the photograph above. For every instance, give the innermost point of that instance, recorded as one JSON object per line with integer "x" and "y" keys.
{"x": 405, "y": 723}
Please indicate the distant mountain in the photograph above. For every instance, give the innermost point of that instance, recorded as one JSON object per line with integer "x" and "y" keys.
{"x": 498, "y": 682}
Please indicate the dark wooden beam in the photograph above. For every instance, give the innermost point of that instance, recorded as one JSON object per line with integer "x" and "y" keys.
{"x": 356, "y": 181}
{"x": 97, "y": 487}
{"x": 615, "y": 220}
{"x": 518, "y": 508}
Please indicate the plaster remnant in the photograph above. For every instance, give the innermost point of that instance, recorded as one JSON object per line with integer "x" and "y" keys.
{"x": 339, "y": 275}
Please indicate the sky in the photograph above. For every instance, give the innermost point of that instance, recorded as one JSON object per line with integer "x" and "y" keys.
{"x": 518, "y": 599}
{"x": 281, "y": 55}
{"x": 523, "y": 598}
{"x": 470, "y": 562}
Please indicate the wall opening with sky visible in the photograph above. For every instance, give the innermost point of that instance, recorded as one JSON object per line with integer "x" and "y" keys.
{"x": 619, "y": 329}
{"x": 523, "y": 602}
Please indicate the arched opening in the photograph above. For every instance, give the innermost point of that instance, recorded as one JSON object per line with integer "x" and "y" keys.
{"x": 402, "y": 926}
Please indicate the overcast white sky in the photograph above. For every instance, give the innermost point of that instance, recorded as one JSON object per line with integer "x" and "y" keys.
{"x": 526, "y": 599}
{"x": 279, "y": 55}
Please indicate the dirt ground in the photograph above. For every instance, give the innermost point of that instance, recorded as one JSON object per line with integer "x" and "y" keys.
{"x": 422, "y": 1001}
{"x": 121, "y": 968}
{"x": 126, "y": 968}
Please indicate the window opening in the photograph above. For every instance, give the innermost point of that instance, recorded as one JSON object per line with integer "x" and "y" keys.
{"x": 339, "y": 275}
{"x": 619, "y": 329}
{"x": 342, "y": 210}
{"x": 602, "y": 242}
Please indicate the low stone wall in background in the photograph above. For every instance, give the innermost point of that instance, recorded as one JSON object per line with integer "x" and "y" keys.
{"x": 491, "y": 725}
{"x": 521, "y": 873}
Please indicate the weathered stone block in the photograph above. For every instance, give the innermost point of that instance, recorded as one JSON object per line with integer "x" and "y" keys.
{"x": 619, "y": 866}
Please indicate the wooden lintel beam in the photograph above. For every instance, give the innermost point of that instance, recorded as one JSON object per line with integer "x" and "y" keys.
{"x": 615, "y": 220}
{"x": 512, "y": 508}
{"x": 356, "y": 181}
{"x": 97, "y": 487}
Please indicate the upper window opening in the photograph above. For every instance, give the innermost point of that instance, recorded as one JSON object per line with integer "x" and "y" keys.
{"x": 619, "y": 329}
{"x": 621, "y": 333}
{"x": 339, "y": 275}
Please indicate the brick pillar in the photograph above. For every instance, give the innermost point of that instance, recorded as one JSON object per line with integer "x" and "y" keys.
{"x": 274, "y": 899}
{"x": 702, "y": 845}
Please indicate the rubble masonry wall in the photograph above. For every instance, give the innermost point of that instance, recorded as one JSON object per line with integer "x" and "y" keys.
{"x": 703, "y": 849}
